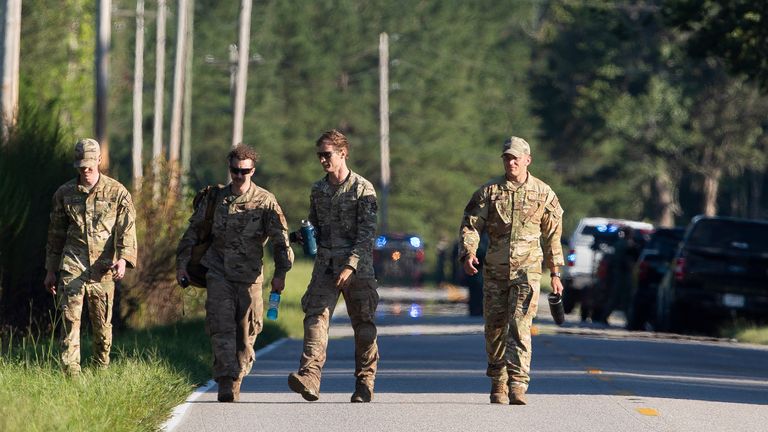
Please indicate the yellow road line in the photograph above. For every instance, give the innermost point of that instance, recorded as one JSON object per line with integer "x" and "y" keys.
{"x": 648, "y": 412}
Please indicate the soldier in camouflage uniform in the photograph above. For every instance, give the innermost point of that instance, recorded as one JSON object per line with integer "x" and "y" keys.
{"x": 245, "y": 216}
{"x": 522, "y": 217}
{"x": 91, "y": 240}
{"x": 342, "y": 207}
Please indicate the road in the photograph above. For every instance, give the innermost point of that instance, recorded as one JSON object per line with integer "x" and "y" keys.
{"x": 431, "y": 378}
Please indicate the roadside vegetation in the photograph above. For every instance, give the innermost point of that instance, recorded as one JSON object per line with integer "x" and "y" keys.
{"x": 152, "y": 371}
{"x": 746, "y": 332}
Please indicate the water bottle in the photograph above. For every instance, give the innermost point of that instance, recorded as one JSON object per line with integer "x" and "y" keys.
{"x": 556, "y": 307}
{"x": 308, "y": 236}
{"x": 274, "y": 303}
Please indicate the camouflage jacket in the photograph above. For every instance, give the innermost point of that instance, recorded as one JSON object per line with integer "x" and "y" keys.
{"x": 90, "y": 230}
{"x": 241, "y": 227}
{"x": 518, "y": 222}
{"x": 345, "y": 222}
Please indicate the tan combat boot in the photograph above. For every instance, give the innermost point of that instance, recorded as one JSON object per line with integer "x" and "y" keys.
{"x": 517, "y": 396}
{"x": 499, "y": 392}
{"x": 363, "y": 392}
{"x": 225, "y": 389}
{"x": 236, "y": 389}
{"x": 307, "y": 387}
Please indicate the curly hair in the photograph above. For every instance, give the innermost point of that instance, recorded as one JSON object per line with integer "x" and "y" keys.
{"x": 243, "y": 152}
{"x": 334, "y": 138}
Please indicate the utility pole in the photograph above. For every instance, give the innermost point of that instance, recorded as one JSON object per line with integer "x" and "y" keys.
{"x": 157, "y": 132}
{"x": 103, "y": 35}
{"x": 138, "y": 99}
{"x": 384, "y": 125}
{"x": 242, "y": 71}
{"x": 11, "y": 46}
{"x": 178, "y": 90}
{"x": 186, "y": 138}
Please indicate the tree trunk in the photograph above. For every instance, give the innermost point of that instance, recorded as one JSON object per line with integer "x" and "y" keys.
{"x": 666, "y": 199}
{"x": 157, "y": 133}
{"x": 756, "y": 193}
{"x": 242, "y": 71}
{"x": 711, "y": 186}
{"x": 10, "y": 64}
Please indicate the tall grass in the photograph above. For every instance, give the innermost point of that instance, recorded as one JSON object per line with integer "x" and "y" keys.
{"x": 152, "y": 371}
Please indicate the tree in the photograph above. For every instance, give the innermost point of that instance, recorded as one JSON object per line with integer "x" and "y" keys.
{"x": 735, "y": 31}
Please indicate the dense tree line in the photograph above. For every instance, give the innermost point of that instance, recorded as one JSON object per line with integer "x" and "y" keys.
{"x": 631, "y": 107}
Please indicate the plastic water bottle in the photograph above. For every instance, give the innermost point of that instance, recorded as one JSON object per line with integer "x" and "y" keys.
{"x": 308, "y": 236}
{"x": 274, "y": 303}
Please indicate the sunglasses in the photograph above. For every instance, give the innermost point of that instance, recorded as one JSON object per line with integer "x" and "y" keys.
{"x": 241, "y": 171}
{"x": 325, "y": 155}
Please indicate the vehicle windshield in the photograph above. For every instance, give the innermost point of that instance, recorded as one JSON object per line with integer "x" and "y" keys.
{"x": 726, "y": 234}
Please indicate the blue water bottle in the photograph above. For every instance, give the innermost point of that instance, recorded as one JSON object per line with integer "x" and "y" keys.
{"x": 308, "y": 236}
{"x": 274, "y": 303}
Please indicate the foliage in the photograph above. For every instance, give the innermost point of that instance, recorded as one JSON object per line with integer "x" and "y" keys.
{"x": 34, "y": 162}
{"x": 150, "y": 294}
{"x": 735, "y": 31}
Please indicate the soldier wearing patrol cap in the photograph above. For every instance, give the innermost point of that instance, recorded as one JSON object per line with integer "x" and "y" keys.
{"x": 523, "y": 219}
{"x": 91, "y": 241}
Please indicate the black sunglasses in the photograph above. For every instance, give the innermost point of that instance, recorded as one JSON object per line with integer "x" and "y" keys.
{"x": 241, "y": 171}
{"x": 325, "y": 155}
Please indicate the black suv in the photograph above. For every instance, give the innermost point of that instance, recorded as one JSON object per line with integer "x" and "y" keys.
{"x": 720, "y": 271}
{"x": 650, "y": 268}
{"x": 398, "y": 259}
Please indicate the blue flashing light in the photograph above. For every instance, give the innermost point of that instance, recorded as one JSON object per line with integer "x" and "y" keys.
{"x": 602, "y": 228}
{"x": 381, "y": 241}
{"x": 415, "y": 311}
{"x": 613, "y": 228}
{"x": 571, "y": 257}
{"x": 415, "y": 242}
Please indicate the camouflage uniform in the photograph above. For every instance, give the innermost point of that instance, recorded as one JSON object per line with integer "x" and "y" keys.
{"x": 517, "y": 218}
{"x": 344, "y": 217}
{"x": 89, "y": 230}
{"x": 234, "y": 305}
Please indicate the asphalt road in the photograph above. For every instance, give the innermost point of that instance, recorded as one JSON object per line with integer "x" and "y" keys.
{"x": 432, "y": 378}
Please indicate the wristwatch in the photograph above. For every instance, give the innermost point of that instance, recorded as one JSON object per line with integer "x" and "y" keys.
{"x": 555, "y": 274}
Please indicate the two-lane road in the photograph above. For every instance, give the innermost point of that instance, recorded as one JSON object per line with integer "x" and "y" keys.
{"x": 432, "y": 378}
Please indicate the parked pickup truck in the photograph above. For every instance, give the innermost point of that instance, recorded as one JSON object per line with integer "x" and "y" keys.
{"x": 719, "y": 272}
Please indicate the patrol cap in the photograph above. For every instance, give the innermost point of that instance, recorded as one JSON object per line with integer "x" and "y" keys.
{"x": 516, "y": 146}
{"x": 87, "y": 152}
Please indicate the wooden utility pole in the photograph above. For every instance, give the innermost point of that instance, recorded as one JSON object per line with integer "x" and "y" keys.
{"x": 103, "y": 35}
{"x": 11, "y": 46}
{"x": 384, "y": 125}
{"x": 178, "y": 96}
{"x": 138, "y": 99}
{"x": 157, "y": 131}
{"x": 186, "y": 138}
{"x": 242, "y": 71}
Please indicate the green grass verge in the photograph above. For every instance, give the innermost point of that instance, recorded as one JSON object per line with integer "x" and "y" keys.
{"x": 152, "y": 371}
{"x": 746, "y": 332}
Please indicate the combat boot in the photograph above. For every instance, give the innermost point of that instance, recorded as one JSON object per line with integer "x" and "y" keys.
{"x": 363, "y": 392}
{"x": 225, "y": 389}
{"x": 499, "y": 392}
{"x": 305, "y": 386}
{"x": 236, "y": 389}
{"x": 517, "y": 396}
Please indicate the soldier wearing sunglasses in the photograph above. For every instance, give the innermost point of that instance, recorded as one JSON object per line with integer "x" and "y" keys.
{"x": 342, "y": 207}
{"x": 245, "y": 216}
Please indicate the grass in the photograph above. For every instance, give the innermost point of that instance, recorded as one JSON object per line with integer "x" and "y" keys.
{"x": 744, "y": 331}
{"x": 152, "y": 371}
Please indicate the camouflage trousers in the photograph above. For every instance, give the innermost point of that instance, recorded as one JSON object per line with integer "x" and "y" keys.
{"x": 508, "y": 308}
{"x": 233, "y": 319}
{"x": 319, "y": 303}
{"x": 73, "y": 291}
